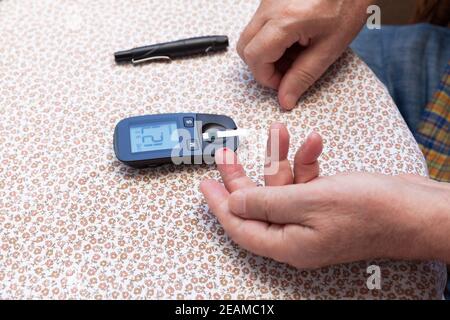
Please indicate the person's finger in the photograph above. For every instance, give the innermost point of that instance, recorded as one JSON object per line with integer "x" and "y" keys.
{"x": 252, "y": 28}
{"x": 277, "y": 169}
{"x": 306, "y": 164}
{"x": 285, "y": 62}
{"x": 258, "y": 237}
{"x": 265, "y": 49}
{"x": 291, "y": 204}
{"x": 309, "y": 66}
{"x": 232, "y": 172}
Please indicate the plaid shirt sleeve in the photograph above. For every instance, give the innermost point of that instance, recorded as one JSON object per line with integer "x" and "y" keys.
{"x": 433, "y": 134}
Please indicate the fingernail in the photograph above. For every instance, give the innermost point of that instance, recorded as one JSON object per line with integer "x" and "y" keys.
{"x": 291, "y": 100}
{"x": 237, "y": 202}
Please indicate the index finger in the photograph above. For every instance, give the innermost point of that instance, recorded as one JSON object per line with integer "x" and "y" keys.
{"x": 231, "y": 171}
{"x": 252, "y": 28}
{"x": 267, "y": 47}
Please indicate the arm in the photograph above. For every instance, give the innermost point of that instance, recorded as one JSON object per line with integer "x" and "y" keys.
{"x": 309, "y": 221}
{"x": 424, "y": 206}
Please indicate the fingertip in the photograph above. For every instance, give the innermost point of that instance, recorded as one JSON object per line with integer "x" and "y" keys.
{"x": 278, "y": 141}
{"x": 264, "y": 73}
{"x": 218, "y": 156}
{"x": 239, "y": 49}
{"x": 310, "y": 150}
{"x": 314, "y": 144}
{"x": 281, "y": 129}
{"x": 225, "y": 156}
{"x": 287, "y": 101}
{"x": 277, "y": 126}
{"x": 314, "y": 137}
{"x": 204, "y": 185}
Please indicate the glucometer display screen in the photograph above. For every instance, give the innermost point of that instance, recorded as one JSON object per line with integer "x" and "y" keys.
{"x": 153, "y": 137}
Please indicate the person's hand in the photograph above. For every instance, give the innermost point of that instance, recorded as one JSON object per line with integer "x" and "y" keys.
{"x": 307, "y": 221}
{"x": 289, "y": 44}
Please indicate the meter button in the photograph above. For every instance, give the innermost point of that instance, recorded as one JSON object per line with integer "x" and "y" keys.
{"x": 188, "y": 122}
{"x": 192, "y": 144}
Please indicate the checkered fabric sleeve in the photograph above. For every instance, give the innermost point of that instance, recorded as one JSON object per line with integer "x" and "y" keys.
{"x": 433, "y": 132}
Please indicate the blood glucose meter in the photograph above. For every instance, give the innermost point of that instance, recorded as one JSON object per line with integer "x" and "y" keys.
{"x": 179, "y": 138}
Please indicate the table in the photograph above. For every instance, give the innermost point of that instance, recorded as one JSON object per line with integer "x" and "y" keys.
{"x": 76, "y": 223}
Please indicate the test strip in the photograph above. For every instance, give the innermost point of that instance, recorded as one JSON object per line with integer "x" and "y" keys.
{"x": 227, "y": 134}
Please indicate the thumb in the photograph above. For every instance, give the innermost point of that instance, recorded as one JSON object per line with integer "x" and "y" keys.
{"x": 279, "y": 205}
{"x": 307, "y": 68}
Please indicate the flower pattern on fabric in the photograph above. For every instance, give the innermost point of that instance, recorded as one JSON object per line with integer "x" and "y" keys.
{"x": 76, "y": 223}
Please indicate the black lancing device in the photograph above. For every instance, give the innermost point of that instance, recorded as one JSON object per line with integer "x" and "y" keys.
{"x": 172, "y": 50}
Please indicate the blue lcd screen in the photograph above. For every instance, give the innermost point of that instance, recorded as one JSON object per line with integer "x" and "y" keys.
{"x": 153, "y": 137}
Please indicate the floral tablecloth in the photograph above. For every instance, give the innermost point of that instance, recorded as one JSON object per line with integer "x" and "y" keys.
{"x": 76, "y": 223}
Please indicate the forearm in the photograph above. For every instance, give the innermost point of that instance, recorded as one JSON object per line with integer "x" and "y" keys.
{"x": 420, "y": 221}
{"x": 436, "y": 232}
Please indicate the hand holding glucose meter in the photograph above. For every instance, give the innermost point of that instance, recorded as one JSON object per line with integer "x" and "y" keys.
{"x": 179, "y": 138}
